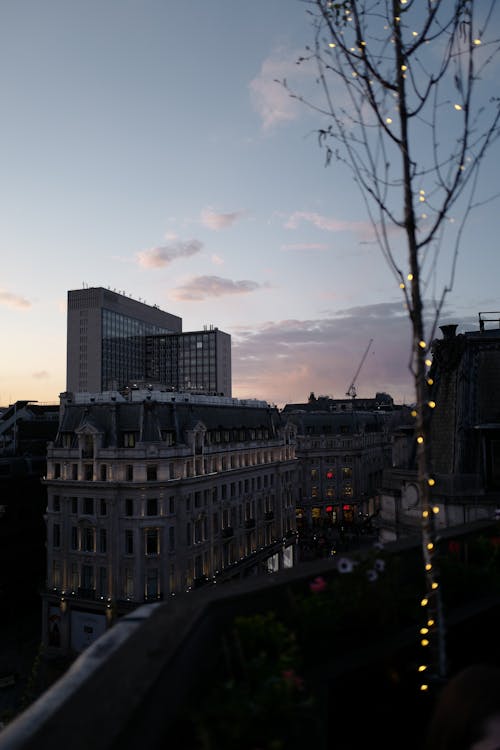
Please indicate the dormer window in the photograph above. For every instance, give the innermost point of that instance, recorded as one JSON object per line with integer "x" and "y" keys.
{"x": 129, "y": 439}
{"x": 66, "y": 439}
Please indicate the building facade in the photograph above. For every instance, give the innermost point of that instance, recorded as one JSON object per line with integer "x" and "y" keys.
{"x": 341, "y": 457}
{"x": 106, "y": 338}
{"x": 198, "y": 361}
{"x": 156, "y": 493}
{"x": 464, "y": 446}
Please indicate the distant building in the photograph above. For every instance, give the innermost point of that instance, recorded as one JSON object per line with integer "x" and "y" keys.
{"x": 342, "y": 455}
{"x": 464, "y": 447}
{"x": 155, "y": 493}
{"x": 114, "y": 341}
{"x": 199, "y": 361}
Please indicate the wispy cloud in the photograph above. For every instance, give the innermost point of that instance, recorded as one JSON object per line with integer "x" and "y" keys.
{"x": 217, "y": 260}
{"x": 158, "y": 257}
{"x": 270, "y": 99}
{"x": 41, "y": 375}
{"x": 204, "y": 287}
{"x": 216, "y": 221}
{"x": 306, "y": 246}
{"x": 14, "y": 300}
{"x": 330, "y": 224}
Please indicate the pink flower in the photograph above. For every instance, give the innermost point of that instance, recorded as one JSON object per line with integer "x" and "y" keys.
{"x": 318, "y": 585}
{"x": 292, "y": 679}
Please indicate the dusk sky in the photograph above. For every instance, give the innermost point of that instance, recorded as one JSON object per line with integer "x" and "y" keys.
{"x": 147, "y": 147}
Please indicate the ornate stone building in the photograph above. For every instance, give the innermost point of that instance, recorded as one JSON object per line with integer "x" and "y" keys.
{"x": 154, "y": 493}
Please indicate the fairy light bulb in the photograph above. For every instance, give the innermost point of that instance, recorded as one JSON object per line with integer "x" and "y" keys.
{"x": 422, "y": 667}
{"x": 410, "y": 277}
{"x": 401, "y": 286}
{"x": 424, "y": 687}
{"x": 420, "y": 439}
{"x": 435, "y": 509}
{"x": 432, "y": 404}
{"x": 424, "y": 631}
{"x": 424, "y": 642}
{"x": 431, "y": 482}
{"x": 425, "y": 514}
{"x": 428, "y": 362}
{"x": 413, "y": 412}
{"x": 430, "y": 381}
{"x": 422, "y": 344}
{"x": 434, "y": 585}
{"x": 388, "y": 120}
{"x": 424, "y": 602}
{"x": 428, "y": 567}
{"x": 477, "y": 42}
{"x": 430, "y": 546}
{"x": 430, "y": 623}
{"x": 458, "y": 107}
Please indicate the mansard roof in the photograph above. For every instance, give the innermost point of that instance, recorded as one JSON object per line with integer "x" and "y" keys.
{"x": 149, "y": 418}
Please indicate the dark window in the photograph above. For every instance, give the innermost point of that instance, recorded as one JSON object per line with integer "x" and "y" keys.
{"x": 88, "y": 472}
{"x": 74, "y": 505}
{"x": 103, "y": 507}
{"x": 129, "y": 472}
{"x": 88, "y": 506}
{"x": 152, "y": 506}
{"x": 74, "y": 537}
{"x": 56, "y": 535}
{"x": 57, "y": 471}
{"x": 129, "y": 506}
{"x": 56, "y": 503}
{"x": 88, "y": 539}
{"x": 171, "y": 505}
{"x": 129, "y": 542}
{"x": 103, "y": 541}
{"x": 171, "y": 537}
{"x": 151, "y": 541}
{"x": 151, "y": 473}
{"x": 104, "y": 472}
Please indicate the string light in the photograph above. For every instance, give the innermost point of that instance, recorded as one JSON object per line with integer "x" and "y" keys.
{"x": 422, "y": 344}
{"x": 422, "y": 668}
{"x": 435, "y": 509}
{"x": 424, "y": 642}
{"x": 424, "y": 602}
{"x": 428, "y": 567}
{"x": 401, "y": 286}
{"x": 430, "y": 546}
{"x": 423, "y": 688}
{"x": 425, "y": 514}
{"x": 413, "y": 412}
{"x": 432, "y": 404}
{"x": 388, "y": 120}
{"x": 458, "y": 107}
{"x": 420, "y": 439}
{"x": 431, "y": 481}
{"x": 410, "y": 277}
{"x": 435, "y": 585}
{"x": 424, "y": 631}
{"x": 430, "y": 381}
{"x": 477, "y": 41}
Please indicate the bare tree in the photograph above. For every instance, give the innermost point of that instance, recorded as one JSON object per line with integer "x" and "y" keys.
{"x": 406, "y": 104}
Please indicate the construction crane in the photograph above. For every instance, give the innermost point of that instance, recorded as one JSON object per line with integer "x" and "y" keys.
{"x": 351, "y": 391}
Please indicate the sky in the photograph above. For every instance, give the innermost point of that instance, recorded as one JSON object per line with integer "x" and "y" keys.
{"x": 148, "y": 146}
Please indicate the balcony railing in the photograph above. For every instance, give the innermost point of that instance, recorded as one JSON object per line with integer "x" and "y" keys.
{"x": 172, "y": 656}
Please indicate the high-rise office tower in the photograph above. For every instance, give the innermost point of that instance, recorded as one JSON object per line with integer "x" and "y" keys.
{"x": 114, "y": 341}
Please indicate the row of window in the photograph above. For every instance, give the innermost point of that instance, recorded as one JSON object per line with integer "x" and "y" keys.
{"x": 206, "y": 466}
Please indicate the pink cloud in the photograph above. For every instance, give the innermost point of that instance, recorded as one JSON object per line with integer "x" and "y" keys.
{"x": 203, "y": 287}
{"x": 216, "y": 221}
{"x": 14, "y": 300}
{"x": 158, "y": 257}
